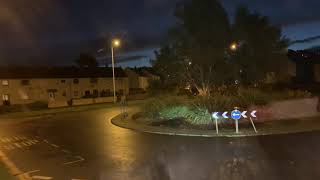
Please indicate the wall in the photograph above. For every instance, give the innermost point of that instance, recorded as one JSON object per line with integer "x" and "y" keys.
{"x": 133, "y": 79}
{"x": 289, "y": 109}
{"x": 57, "y": 104}
{"x": 143, "y": 82}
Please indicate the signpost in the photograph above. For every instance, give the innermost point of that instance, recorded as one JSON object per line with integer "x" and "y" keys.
{"x": 236, "y": 115}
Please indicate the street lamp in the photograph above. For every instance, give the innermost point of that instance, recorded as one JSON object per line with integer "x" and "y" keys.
{"x": 114, "y": 44}
{"x": 234, "y": 46}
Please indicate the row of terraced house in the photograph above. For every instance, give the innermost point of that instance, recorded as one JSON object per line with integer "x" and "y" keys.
{"x": 63, "y": 86}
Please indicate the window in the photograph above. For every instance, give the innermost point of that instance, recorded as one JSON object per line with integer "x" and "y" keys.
{"x": 75, "y": 81}
{"x": 94, "y": 80}
{"x": 25, "y": 82}
{"x": 5, "y": 82}
{"x": 87, "y": 93}
{"x": 63, "y": 81}
{"x": 76, "y": 93}
{"x": 5, "y": 97}
{"x": 51, "y": 95}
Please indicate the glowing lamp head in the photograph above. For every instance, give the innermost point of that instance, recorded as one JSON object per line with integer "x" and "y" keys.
{"x": 116, "y": 43}
{"x": 233, "y": 47}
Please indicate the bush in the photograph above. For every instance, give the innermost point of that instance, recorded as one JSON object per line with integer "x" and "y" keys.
{"x": 153, "y": 107}
{"x": 198, "y": 116}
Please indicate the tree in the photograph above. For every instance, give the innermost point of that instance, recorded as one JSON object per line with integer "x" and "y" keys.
{"x": 261, "y": 46}
{"x": 86, "y": 60}
{"x": 168, "y": 65}
{"x": 198, "y": 45}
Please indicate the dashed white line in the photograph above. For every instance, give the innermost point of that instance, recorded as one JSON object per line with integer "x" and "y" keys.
{"x": 18, "y": 145}
{"x": 56, "y": 146}
{"x": 72, "y": 162}
{"x": 41, "y": 177}
{"x": 65, "y": 151}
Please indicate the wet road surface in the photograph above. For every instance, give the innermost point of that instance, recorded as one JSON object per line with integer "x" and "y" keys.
{"x": 85, "y": 145}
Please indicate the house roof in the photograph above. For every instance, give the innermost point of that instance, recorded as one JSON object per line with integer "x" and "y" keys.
{"x": 143, "y": 71}
{"x": 307, "y": 56}
{"x": 57, "y": 72}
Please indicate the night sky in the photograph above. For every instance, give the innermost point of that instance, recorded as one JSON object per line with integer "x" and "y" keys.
{"x": 39, "y": 26}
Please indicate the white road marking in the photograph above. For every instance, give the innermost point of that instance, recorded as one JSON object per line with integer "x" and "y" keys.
{"x": 72, "y": 162}
{"x": 46, "y": 141}
{"x": 9, "y": 147}
{"x": 41, "y": 177}
{"x": 12, "y": 167}
{"x": 65, "y": 151}
{"x": 56, "y": 146}
{"x": 25, "y": 144}
{"x": 18, "y": 145}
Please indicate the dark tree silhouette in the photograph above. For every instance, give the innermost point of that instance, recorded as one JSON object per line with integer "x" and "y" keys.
{"x": 198, "y": 44}
{"x": 261, "y": 46}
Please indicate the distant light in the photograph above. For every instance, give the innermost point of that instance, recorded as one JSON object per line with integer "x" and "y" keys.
{"x": 190, "y": 63}
{"x": 233, "y": 47}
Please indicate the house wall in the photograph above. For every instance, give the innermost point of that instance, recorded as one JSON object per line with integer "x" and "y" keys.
{"x": 143, "y": 82}
{"x": 133, "y": 79}
{"x": 38, "y": 89}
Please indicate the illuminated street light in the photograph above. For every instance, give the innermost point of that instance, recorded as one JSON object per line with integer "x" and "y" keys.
{"x": 233, "y": 47}
{"x": 115, "y": 43}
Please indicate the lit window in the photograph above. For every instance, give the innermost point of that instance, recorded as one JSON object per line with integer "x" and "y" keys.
{"x": 5, "y": 82}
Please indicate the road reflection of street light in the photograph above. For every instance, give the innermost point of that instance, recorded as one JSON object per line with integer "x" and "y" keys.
{"x": 114, "y": 44}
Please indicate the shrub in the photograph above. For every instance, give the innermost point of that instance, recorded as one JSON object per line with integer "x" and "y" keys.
{"x": 174, "y": 112}
{"x": 153, "y": 107}
{"x": 198, "y": 116}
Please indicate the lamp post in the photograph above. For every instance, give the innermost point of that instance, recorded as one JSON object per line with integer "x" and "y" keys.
{"x": 115, "y": 43}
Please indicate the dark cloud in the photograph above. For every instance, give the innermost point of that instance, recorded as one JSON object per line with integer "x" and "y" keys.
{"x": 39, "y": 24}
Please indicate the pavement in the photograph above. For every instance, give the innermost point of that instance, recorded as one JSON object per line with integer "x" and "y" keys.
{"x": 86, "y": 146}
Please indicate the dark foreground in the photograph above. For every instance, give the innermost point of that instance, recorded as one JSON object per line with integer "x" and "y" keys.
{"x": 86, "y": 145}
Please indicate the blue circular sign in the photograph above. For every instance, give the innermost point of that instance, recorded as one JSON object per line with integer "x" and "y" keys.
{"x": 236, "y": 115}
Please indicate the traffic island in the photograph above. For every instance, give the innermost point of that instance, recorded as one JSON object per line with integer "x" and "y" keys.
{"x": 287, "y": 126}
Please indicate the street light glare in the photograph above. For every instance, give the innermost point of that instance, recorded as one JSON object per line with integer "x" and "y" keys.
{"x": 116, "y": 43}
{"x": 233, "y": 46}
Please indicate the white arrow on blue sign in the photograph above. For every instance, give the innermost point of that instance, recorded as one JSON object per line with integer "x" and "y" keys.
{"x": 253, "y": 114}
{"x": 236, "y": 115}
{"x": 243, "y": 114}
{"x": 215, "y": 115}
{"x": 224, "y": 115}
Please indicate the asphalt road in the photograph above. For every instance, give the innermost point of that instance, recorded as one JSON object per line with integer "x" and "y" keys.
{"x": 85, "y": 145}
